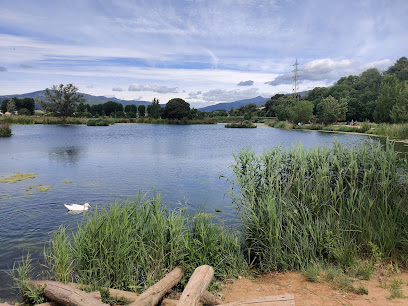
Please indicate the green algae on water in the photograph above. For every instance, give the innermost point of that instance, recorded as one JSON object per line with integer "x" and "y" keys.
{"x": 18, "y": 177}
{"x": 67, "y": 182}
{"x": 39, "y": 187}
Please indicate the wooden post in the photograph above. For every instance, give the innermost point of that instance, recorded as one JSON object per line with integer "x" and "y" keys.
{"x": 278, "y": 300}
{"x": 155, "y": 293}
{"x": 196, "y": 286}
{"x": 66, "y": 295}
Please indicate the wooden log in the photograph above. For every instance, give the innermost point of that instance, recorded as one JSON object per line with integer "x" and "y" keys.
{"x": 169, "y": 302}
{"x": 155, "y": 293}
{"x": 196, "y": 286}
{"x": 66, "y": 295}
{"x": 127, "y": 296}
{"x": 47, "y": 304}
{"x": 278, "y": 300}
{"x": 96, "y": 294}
{"x": 210, "y": 299}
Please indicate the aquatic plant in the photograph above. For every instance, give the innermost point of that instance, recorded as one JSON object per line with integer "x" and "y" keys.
{"x": 134, "y": 244}
{"x": 18, "y": 177}
{"x": 5, "y": 130}
{"x": 301, "y": 206}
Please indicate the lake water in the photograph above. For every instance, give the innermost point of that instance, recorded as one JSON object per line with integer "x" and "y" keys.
{"x": 184, "y": 163}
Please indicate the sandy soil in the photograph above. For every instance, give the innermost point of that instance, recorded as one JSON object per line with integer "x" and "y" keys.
{"x": 308, "y": 293}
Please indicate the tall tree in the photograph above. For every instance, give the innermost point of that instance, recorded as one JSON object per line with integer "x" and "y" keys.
{"x": 62, "y": 100}
{"x": 390, "y": 93}
{"x": 154, "y": 109}
{"x": 332, "y": 110}
{"x": 176, "y": 109}
{"x": 142, "y": 110}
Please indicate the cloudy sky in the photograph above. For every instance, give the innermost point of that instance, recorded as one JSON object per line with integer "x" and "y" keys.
{"x": 203, "y": 51}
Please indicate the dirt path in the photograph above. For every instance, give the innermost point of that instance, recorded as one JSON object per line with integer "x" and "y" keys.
{"x": 308, "y": 293}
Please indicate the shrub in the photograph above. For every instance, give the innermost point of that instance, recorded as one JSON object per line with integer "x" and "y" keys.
{"x": 5, "y": 130}
{"x": 97, "y": 122}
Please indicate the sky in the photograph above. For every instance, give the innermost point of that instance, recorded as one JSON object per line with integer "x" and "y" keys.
{"x": 202, "y": 51}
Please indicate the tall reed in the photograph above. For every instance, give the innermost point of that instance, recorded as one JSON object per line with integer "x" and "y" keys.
{"x": 300, "y": 206}
{"x": 134, "y": 244}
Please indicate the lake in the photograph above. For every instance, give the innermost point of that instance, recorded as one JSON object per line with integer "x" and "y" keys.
{"x": 187, "y": 164}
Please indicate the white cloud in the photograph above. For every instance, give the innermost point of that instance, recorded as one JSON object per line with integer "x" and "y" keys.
{"x": 154, "y": 88}
{"x": 117, "y": 89}
{"x": 223, "y": 95}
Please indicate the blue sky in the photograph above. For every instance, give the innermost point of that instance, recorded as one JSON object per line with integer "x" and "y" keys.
{"x": 205, "y": 52}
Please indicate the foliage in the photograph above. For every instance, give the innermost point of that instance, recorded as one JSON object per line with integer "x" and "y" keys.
{"x": 302, "y": 206}
{"x": 391, "y": 130}
{"x": 399, "y": 69}
{"x": 176, "y": 109}
{"x": 97, "y": 122}
{"x": 302, "y": 111}
{"x": 32, "y": 294}
{"x": 62, "y": 100}
{"x": 111, "y": 107}
{"x": 17, "y": 104}
{"x": 131, "y": 108}
{"x": 154, "y": 109}
{"x": 134, "y": 244}
{"x": 391, "y": 93}
{"x": 142, "y": 110}
{"x": 245, "y": 124}
{"x": 5, "y": 130}
{"x": 332, "y": 110}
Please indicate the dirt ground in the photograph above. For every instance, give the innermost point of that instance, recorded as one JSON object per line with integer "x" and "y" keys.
{"x": 309, "y": 293}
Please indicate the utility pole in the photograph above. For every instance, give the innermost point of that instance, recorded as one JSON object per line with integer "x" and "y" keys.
{"x": 295, "y": 80}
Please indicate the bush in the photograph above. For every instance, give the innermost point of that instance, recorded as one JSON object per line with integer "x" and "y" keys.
{"x": 5, "y": 130}
{"x": 97, "y": 122}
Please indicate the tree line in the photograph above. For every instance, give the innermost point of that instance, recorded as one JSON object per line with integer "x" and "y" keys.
{"x": 372, "y": 95}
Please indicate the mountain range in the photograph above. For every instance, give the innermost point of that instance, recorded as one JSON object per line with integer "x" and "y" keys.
{"x": 92, "y": 100}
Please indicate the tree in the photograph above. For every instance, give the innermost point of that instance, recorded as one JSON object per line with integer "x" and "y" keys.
{"x": 332, "y": 110}
{"x": 111, "y": 107}
{"x": 390, "y": 92}
{"x": 62, "y": 100}
{"x": 176, "y": 109}
{"x": 154, "y": 109}
{"x": 302, "y": 111}
{"x": 400, "y": 69}
{"x": 142, "y": 110}
{"x": 131, "y": 108}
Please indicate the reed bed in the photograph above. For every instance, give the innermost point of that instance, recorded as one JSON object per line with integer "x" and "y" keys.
{"x": 391, "y": 130}
{"x": 134, "y": 244}
{"x": 334, "y": 204}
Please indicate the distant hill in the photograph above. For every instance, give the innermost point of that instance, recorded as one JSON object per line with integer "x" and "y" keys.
{"x": 227, "y": 106}
{"x": 90, "y": 99}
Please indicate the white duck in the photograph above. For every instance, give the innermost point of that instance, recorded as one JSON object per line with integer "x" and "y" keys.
{"x": 77, "y": 207}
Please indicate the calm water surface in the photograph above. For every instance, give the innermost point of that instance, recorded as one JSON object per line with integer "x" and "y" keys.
{"x": 183, "y": 163}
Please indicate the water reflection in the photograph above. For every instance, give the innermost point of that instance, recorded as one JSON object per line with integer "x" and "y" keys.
{"x": 66, "y": 155}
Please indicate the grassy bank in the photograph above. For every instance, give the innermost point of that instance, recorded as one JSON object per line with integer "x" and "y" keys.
{"x": 134, "y": 244}
{"x": 245, "y": 124}
{"x": 398, "y": 131}
{"x": 105, "y": 120}
{"x": 297, "y": 208}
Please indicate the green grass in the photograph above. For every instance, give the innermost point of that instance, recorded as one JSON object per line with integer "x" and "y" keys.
{"x": 391, "y": 130}
{"x": 97, "y": 122}
{"x": 21, "y": 274}
{"x": 134, "y": 244}
{"x": 246, "y": 124}
{"x": 302, "y": 206}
